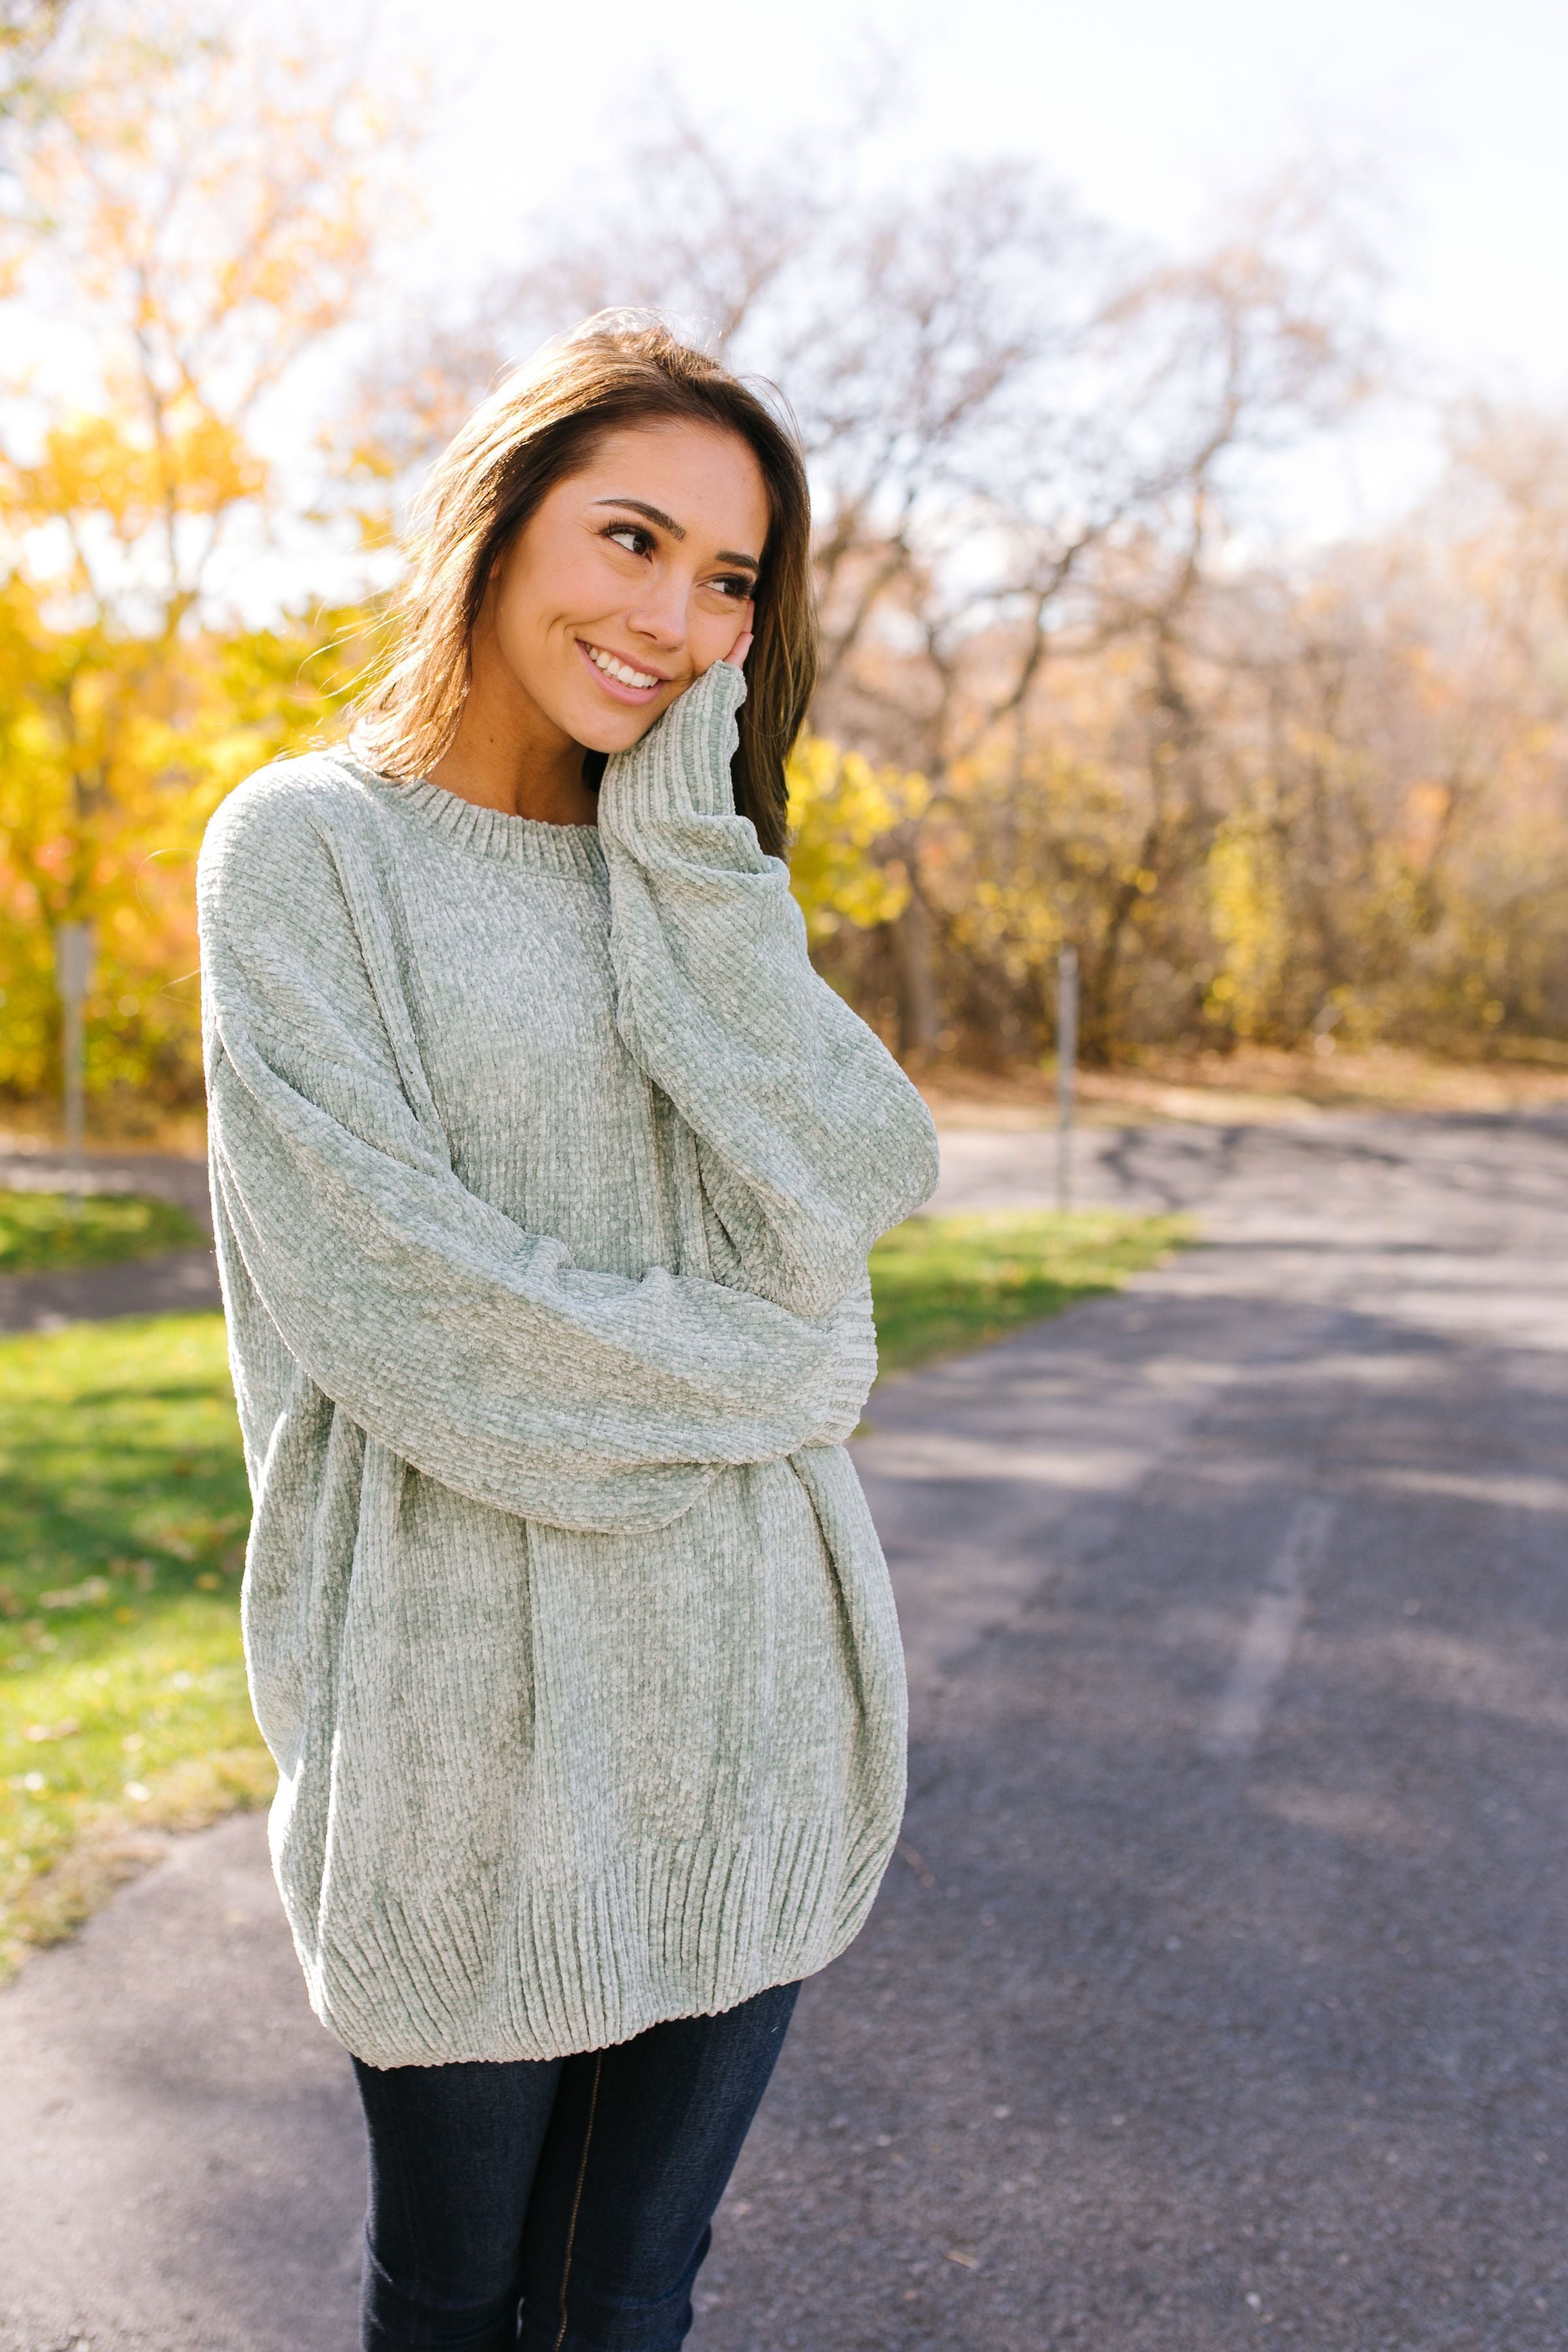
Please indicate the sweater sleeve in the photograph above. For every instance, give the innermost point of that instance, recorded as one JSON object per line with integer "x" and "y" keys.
{"x": 477, "y": 1351}
{"x": 811, "y": 1140}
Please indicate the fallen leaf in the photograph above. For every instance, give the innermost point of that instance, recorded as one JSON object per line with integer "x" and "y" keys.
{"x": 918, "y": 1862}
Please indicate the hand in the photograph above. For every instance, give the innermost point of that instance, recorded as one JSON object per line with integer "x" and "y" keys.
{"x": 740, "y": 649}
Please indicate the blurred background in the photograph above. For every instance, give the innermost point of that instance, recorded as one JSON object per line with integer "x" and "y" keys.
{"x": 1186, "y": 395}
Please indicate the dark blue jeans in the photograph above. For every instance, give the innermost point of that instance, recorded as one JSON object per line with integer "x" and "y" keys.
{"x": 561, "y": 2204}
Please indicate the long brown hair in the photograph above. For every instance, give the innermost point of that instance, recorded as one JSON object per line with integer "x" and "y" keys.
{"x": 541, "y": 425}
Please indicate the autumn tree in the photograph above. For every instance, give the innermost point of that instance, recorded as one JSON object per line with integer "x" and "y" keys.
{"x": 27, "y": 28}
{"x": 940, "y": 360}
{"x": 194, "y": 223}
{"x": 1280, "y": 800}
{"x": 1419, "y": 719}
{"x": 1024, "y": 438}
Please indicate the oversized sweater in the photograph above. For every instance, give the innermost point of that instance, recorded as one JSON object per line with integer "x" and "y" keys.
{"x": 544, "y": 1171}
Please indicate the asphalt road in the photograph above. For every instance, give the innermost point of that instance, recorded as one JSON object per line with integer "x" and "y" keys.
{"x": 1216, "y": 1998}
{"x": 182, "y": 1282}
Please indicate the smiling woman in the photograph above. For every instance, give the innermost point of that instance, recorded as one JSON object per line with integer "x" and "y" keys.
{"x": 545, "y": 1173}
{"x": 667, "y": 528}
{"x": 602, "y": 611}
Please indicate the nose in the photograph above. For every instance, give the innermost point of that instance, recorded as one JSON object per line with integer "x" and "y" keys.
{"x": 660, "y": 615}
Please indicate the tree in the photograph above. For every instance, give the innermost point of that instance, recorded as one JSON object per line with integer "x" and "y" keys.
{"x": 1021, "y": 435}
{"x": 27, "y": 27}
{"x": 195, "y": 221}
{"x": 1271, "y": 799}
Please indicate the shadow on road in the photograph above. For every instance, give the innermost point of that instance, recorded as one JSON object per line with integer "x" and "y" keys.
{"x": 1214, "y": 1997}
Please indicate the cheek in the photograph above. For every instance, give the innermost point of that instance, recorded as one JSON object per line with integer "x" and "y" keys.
{"x": 584, "y": 586}
{"x": 547, "y": 601}
{"x": 711, "y": 634}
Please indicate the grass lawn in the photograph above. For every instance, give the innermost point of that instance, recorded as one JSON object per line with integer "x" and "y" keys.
{"x": 50, "y": 1232}
{"x": 123, "y": 1517}
{"x": 942, "y": 1284}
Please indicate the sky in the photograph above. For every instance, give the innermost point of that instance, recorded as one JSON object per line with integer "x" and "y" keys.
{"x": 1153, "y": 114}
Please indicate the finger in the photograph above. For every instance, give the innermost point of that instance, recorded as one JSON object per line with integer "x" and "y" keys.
{"x": 740, "y": 649}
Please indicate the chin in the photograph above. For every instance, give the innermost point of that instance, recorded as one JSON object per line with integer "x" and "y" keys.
{"x": 613, "y": 731}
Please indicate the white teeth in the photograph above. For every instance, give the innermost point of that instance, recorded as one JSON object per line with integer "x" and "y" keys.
{"x": 614, "y": 668}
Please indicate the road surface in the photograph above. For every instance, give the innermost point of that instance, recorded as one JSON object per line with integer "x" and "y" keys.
{"x": 1217, "y": 1997}
{"x": 180, "y": 1282}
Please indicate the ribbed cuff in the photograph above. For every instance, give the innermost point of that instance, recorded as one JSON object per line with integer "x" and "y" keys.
{"x": 847, "y": 1385}
{"x": 681, "y": 767}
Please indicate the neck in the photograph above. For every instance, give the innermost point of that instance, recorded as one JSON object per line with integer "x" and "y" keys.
{"x": 507, "y": 755}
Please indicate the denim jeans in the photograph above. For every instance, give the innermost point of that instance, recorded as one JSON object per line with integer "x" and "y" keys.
{"x": 560, "y": 2204}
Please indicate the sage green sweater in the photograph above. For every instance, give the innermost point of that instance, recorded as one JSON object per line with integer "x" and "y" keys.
{"x": 544, "y": 1171}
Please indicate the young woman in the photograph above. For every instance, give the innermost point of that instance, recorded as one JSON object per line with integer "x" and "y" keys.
{"x": 545, "y": 1170}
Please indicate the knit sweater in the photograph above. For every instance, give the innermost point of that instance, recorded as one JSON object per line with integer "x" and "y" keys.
{"x": 544, "y": 1171}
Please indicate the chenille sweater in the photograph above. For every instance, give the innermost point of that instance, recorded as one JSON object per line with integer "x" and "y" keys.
{"x": 544, "y": 1171}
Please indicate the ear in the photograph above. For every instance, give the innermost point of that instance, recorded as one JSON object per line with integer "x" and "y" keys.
{"x": 498, "y": 564}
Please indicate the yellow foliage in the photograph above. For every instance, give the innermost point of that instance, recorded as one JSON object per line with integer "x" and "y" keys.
{"x": 112, "y": 756}
{"x": 1014, "y": 922}
{"x": 203, "y": 214}
{"x": 846, "y": 817}
{"x": 109, "y": 468}
{"x": 1028, "y": 843}
{"x": 1248, "y": 916}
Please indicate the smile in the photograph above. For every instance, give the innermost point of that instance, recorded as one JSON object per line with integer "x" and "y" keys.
{"x": 609, "y": 665}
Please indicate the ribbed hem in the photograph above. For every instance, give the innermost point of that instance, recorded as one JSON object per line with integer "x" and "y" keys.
{"x": 681, "y": 767}
{"x": 687, "y": 1931}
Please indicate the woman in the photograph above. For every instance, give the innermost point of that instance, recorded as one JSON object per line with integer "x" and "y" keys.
{"x": 545, "y": 1170}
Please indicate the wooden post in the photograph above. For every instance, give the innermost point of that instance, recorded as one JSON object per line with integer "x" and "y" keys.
{"x": 1067, "y": 1070}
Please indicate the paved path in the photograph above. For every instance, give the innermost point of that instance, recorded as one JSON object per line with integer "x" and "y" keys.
{"x": 177, "y": 1283}
{"x": 1217, "y": 1997}
{"x": 180, "y": 1282}
{"x": 166, "y": 1175}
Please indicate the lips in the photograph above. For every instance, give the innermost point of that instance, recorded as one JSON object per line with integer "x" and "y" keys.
{"x": 627, "y": 681}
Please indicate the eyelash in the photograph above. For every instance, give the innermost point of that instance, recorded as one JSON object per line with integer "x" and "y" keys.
{"x": 738, "y": 584}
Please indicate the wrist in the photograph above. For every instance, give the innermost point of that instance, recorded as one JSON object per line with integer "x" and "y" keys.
{"x": 681, "y": 766}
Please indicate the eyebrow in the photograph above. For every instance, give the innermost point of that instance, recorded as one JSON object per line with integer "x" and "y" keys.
{"x": 677, "y": 530}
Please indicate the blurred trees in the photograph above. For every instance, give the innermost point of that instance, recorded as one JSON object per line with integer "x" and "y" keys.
{"x": 27, "y": 28}
{"x": 1066, "y": 693}
{"x": 1035, "y": 452}
{"x": 193, "y": 223}
{"x": 1282, "y": 799}
{"x": 846, "y": 818}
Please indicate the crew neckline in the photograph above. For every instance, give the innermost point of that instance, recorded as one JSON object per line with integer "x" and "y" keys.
{"x": 491, "y": 833}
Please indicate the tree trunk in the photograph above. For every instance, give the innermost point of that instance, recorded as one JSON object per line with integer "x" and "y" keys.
{"x": 919, "y": 1015}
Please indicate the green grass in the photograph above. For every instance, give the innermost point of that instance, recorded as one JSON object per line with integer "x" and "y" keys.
{"x": 942, "y": 1284}
{"x": 51, "y": 1232}
{"x": 123, "y": 1517}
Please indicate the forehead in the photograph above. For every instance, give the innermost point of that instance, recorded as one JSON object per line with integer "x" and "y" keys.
{"x": 705, "y": 477}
